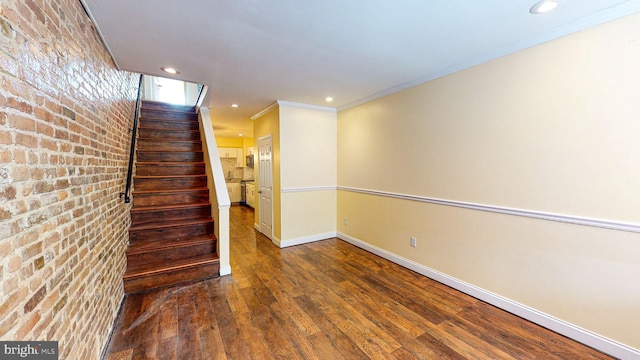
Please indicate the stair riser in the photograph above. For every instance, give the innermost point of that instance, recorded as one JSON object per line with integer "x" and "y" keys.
{"x": 146, "y": 283}
{"x": 145, "y": 217}
{"x": 152, "y": 105}
{"x": 165, "y": 145}
{"x": 170, "y": 198}
{"x": 169, "y": 124}
{"x": 169, "y": 134}
{"x": 166, "y": 235}
{"x": 169, "y": 115}
{"x": 159, "y": 156}
{"x": 173, "y": 169}
{"x": 169, "y": 255}
{"x": 170, "y": 183}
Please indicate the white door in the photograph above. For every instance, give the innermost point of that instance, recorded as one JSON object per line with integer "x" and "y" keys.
{"x": 265, "y": 186}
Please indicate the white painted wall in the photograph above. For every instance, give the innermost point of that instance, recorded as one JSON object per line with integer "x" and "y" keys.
{"x": 553, "y": 129}
{"x": 308, "y": 172}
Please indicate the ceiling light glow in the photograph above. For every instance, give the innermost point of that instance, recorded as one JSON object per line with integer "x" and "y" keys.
{"x": 543, "y": 6}
{"x": 234, "y": 105}
{"x": 328, "y": 99}
{"x": 169, "y": 70}
{"x": 240, "y": 134}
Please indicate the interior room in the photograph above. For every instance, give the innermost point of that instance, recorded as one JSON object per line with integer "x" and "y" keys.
{"x": 336, "y": 180}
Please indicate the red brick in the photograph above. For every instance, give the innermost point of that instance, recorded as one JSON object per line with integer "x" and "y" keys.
{"x": 61, "y": 134}
{"x": 5, "y": 156}
{"x": 8, "y": 193}
{"x": 28, "y": 325}
{"x": 6, "y": 138}
{"x": 48, "y": 144}
{"x": 43, "y": 187}
{"x": 8, "y": 322}
{"x": 35, "y": 300}
{"x": 44, "y": 129}
{"x": 26, "y": 140}
{"x": 12, "y": 301}
{"x": 37, "y": 11}
{"x": 19, "y": 105}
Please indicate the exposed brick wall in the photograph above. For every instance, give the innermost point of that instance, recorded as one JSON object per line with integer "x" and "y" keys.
{"x": 64, "y": 144}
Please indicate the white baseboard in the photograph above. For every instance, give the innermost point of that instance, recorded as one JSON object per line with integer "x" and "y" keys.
{"x": 225, "y": 270}
{"x": 569, "y": 330}
{"x": 303, "y": 240}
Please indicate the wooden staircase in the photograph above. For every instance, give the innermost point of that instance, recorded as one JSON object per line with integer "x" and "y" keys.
{"x": 171, "y": 239}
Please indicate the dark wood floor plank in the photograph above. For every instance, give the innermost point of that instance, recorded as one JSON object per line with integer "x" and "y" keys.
{"x": 435, "y": 345}
{"x": 325, "y": 348}
{"x": 413, "y": 350}
{"x": 121, "y": 355}
{"x": 212, "y": 347}
{"x": 168, "y": 349}
{"x": 323, "y": 300}
{"x": 168, "y": 325}
{"x": 234, "y": 346}
{"x": 251, "y": 335}
{"x": 188, "y": 345}
{"x": 298, "y": 336}
{"x": 208, "y": 329}
{"x": 390, "y": 313}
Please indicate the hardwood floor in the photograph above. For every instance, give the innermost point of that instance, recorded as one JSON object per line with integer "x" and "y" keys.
{"x": 323, "y": 300}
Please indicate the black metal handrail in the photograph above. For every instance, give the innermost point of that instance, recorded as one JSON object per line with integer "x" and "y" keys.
{"x": 134, "y": 133}
{"x": 200, "y": 95}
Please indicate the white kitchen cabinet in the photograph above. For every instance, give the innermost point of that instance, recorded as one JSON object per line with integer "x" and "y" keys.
{"x": 239, "y": 158}
{"x": 232, "y": 153}
{"x": 234, "y": 192}
{"x": 251, "y": 195}
{"x": 228, "y": 152}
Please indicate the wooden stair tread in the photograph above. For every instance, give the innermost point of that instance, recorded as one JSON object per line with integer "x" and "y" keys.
{"x": 173, "y": 151}
{"x": 138, "y": 270}
{"x": 164, "y": 224}
{"x": 150, "y": 117}
{"x": 142, "y": 127}
{"x": 160, "y": 104}
{"x": 169, "y": 191}
{"x": 159, "y": 245}
{"x": 169, "y": 139}
{"x": 168, "y": 163}
{"x": 182, "y": 109}
{"x": 168, "y": 207}
{"x": 185, "y": 176}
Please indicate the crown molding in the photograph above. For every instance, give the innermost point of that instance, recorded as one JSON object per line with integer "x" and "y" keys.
{"x": 306, "y": 106}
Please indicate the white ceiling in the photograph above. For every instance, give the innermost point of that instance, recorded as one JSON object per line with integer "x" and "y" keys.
{"x": 253, "y": 52}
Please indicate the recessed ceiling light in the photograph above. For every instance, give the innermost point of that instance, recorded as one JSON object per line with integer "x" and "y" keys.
{"x": 169, "y": 70}
{"x": 234, "y": 105}
{"x": 328, "y": 99}
{"x": 543, "y": 6}
{"x": 240, "y": 134}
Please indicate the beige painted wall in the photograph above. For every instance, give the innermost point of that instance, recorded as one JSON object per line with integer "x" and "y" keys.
{"x": 308, "y": 216}
{"x": 308, "y": 148}
{"x": 553, "y": 128}
{"x": 229, "y": 142}
{"x": 269, "y": 124}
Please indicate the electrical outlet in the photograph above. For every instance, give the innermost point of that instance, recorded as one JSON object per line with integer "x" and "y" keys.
{"x": 413, "y": 241}
{"x": 346, "y": 221}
